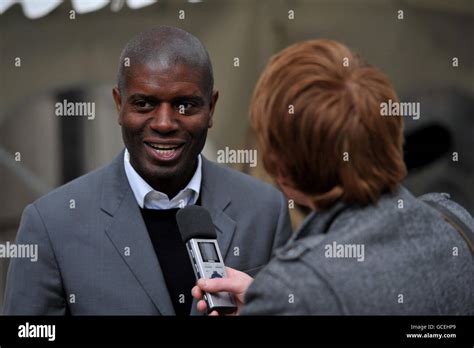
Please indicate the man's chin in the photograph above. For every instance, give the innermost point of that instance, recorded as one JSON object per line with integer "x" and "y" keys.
{"x": 167, "y": 170}
{"x": 164, "y": 173}
{"x": 155, "y": 172}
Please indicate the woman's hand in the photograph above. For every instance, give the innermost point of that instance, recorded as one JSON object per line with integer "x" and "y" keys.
{"x": 236, "y": 284}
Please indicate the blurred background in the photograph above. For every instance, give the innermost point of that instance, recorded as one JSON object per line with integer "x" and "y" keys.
{"x": 428, "y": 54}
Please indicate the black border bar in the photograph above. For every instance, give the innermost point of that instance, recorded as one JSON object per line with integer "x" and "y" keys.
{"x": 292, "y": 330}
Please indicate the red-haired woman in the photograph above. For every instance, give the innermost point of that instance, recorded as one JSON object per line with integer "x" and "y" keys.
{"x": 369, "y": 246}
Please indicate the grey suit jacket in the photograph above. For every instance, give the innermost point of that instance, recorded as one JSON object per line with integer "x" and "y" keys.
{"x": 94, "y": 251}
{"x": 413, "y": 262}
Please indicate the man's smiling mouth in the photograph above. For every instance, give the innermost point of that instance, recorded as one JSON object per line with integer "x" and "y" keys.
{"x": 163, "y": 151}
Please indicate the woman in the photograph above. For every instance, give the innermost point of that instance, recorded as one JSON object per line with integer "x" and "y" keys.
{"x": 368, "y": 246}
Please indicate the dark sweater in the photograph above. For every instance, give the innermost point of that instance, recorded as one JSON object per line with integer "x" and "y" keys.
{"x": 172, "y": 256}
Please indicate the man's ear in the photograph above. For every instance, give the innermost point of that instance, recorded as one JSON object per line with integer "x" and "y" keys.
{"x": 118, "y": 102}
{"x": 212, "y": 106}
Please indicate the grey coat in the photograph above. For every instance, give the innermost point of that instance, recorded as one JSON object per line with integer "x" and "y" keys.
{"x": 98, "y": 258}
{"x": 413, "y": 262}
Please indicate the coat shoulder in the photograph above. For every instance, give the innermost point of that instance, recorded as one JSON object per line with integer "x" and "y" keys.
{"x": 87, "y": 187}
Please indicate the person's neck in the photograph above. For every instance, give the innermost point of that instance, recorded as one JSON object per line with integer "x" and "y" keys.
{"x": 297, "y": 196}
{"x": 172, "y": 186}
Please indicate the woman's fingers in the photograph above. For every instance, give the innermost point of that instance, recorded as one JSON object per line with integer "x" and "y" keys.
{"x": 202, "y": 306}
{"x": 197, "y": 293}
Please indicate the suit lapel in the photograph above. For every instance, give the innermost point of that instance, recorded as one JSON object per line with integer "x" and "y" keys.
{"x": 128, "y": 232}
{"x": 215, "y": 199}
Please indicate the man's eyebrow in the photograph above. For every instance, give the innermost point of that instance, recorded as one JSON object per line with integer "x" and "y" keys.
{"x": 140, "y": 96}
{"x": 197, "y": 98}
{"x": 190, "y": 97}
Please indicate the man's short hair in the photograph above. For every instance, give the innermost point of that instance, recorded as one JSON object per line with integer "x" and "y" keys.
{"x": 166, "y": 46}
{"x": 317, "y": 112}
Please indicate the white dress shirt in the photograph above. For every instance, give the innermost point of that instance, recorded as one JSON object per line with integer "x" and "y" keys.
{"x": 147, "y": 197}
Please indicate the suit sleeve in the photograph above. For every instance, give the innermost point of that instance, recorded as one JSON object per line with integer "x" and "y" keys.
{"x": 34, "y": 287}
{"x": 283, "y": 230}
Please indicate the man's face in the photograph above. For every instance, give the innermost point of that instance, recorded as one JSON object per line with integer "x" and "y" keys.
{"x": 164, "y": 113}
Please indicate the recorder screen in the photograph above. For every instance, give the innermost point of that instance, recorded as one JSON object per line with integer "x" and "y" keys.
{"x": 208, "y": 252}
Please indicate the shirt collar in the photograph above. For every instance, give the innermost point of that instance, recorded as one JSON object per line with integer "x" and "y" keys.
{"x": 147, "y": 197}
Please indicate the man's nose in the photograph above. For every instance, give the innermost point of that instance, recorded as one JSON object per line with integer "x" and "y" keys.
{"x": 164, "y": 119}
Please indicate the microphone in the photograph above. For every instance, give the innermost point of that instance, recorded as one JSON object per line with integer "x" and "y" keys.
{"x": 197, "y": 231}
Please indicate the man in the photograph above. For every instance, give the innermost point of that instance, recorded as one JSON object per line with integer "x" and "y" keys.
{"x": 117, "y": 249}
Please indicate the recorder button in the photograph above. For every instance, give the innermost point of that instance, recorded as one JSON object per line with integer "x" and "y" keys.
{"x": 216, "y": 275}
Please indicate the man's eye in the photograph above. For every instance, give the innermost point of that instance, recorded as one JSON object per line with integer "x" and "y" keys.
{"x": 142, "y": 104}
{"x": 185, "y": 108}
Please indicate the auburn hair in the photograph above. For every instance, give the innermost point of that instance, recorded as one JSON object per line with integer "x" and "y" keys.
{"x": 316, "y": 110}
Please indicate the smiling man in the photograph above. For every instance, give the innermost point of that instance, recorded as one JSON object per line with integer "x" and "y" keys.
{"x": 117, "y": 250}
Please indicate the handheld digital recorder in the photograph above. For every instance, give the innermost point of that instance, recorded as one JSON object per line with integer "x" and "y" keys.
{"x": 197, "y": 231}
